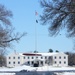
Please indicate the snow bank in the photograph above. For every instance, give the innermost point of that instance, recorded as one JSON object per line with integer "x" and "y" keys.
{"x": 44, "y": 68}
{"x": 65, "y": 73}
{"x": 19, "y": 68}
{"x": 51, "y": 68}
{"x": 68, "y": 73}
{"x": 7, "y": 73}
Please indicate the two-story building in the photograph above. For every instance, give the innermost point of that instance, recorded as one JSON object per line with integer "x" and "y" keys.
{"x": 37, "y": 59}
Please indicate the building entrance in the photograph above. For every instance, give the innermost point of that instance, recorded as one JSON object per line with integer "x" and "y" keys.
{"x": 36, "y": 64}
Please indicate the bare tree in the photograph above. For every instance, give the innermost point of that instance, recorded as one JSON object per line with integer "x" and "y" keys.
{"x": 71, "y": 58}
{"x": 7, "y": 34}
{"x": 59, "y": 14}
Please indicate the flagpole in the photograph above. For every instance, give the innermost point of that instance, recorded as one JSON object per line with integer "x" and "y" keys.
{"x": 36, "y": 31}
{"x": 35, "y": 37}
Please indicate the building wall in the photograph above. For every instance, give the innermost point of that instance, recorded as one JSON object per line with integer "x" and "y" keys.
{"x": 14, "y": 60}
{"x": 59, "y": 59}
{"x": 33, "y": 58}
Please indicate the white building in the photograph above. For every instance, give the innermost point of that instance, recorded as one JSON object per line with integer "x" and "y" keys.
{"x": 39, "y": 59}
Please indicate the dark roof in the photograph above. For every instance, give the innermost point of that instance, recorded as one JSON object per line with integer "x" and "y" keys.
{"x": 31, "y": 54}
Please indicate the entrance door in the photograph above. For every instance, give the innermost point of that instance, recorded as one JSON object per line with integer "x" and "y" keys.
{"x": 36, "y": 64}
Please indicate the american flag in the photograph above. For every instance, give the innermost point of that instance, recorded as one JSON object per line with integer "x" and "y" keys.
{"x": 36, "y": 13}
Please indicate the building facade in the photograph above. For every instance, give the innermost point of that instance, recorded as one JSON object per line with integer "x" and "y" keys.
{"x": 37, "y": 59}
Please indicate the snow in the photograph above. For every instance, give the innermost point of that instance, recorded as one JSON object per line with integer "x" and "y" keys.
{"x": 7, "y": 73}
{"x": 44, "y": 68}
{"x": 51, "y": 68}
{"x": 19, "y": 68}
{"x": 68, "y": 73}
{"x": 48, "y": 54}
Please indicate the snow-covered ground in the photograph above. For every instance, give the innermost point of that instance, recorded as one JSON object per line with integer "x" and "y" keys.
{"x": 44, "y": 68}
{"x": 65, "y": 73}
{"x": 57, "y": 74}
{"x": 7, "y": 73}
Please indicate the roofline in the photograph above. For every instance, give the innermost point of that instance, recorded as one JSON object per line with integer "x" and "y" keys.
{"x": 32, "y": 54}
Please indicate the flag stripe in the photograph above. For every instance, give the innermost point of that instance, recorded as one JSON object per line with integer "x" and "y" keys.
{"x": 36, "y": 13}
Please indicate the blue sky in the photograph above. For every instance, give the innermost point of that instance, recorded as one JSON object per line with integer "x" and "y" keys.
{"x": 24, "y": 21}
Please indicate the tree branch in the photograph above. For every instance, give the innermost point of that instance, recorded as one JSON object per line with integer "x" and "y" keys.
{"x": 14, "y": 39}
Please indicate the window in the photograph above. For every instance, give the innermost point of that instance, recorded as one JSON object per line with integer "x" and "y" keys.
{"x": 18, "y": 57}
{"x": 41, "y": 57}
{"x": 9, "y": 62}
{"x": 45, "y": 57}
{"x": 32, "y": 62}
{"x": 32, "y": 57}
{"x": 13, "y": 57}
{"x": 59, "y": 62}
{"x": 60, "y": 57}
{"x": 28, "y": 62}
{"x": 55, "y": 62}
{"x": 41, "y": 62}
{"x": 13, "y": 62}
{"x": 28, "y": 57}
{"x": 9, "y": 57}
{"x": 64, "y": 57}
{"x": 55, "y": 57}
{"x": 18, "y": 62}
{"x": 64, "y": 62}
{"x": 24, "y": 57}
